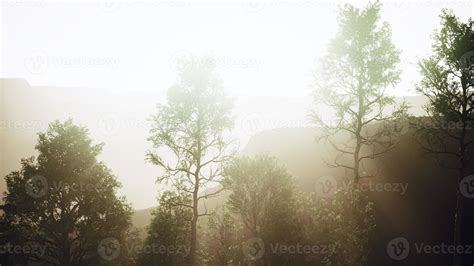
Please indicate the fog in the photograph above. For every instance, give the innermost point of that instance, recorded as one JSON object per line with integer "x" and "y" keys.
{"x": 236, "y": 132}
{"x": 119, "y": 58}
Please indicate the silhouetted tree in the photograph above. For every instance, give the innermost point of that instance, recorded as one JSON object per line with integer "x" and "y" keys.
{"x": 448, "y": 85}
{"x": 360, "y": 65}
{"x": 191, "y": 126}
{"x": 64, "y": 200}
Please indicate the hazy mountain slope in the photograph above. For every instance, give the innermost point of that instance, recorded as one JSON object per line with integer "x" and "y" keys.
{"x": 120, "y": 119}
{"x": 425, "y": 208}
{"x": 277, "y": 127}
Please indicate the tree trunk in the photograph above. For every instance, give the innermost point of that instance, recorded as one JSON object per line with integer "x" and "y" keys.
{"x": 65, "y": 250}
{"x": 192, "y": 250}
{"x": 458, "y": 217}
{"x": 458, "y": 213}
{"x": 356, "y": 162}
{"x": 358, "y": 137}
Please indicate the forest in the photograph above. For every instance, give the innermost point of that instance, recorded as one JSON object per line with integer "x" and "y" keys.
{"x": 386, "y": 187}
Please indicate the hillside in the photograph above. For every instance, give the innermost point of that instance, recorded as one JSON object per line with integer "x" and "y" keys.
{"x": 424, "y": 208}
{"x": 120, "y": 119}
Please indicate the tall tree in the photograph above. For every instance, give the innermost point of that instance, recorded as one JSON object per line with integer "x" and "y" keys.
{"x": 64, "y": 200}
{"x": 447, "y": 83}
{"x": 191, "y": 128}
{"x": 360, "y": 65}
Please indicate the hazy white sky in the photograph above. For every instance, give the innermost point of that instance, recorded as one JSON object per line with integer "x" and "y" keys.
{"x": 261, "y": 47}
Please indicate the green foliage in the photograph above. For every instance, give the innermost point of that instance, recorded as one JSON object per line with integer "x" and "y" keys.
{"x": 170, "y": 227}
{"x": 65, "y": 200}
{"x": 256, "y": 184}
{"x": 192, "y": 124}
{"x": 224, "y": 238}
{"x": 453, "y": 40}
{"x": 263, "y": 197}
{"x": 361, "y": 63}
{"x": 446, "y": 84}
{"x": 342, "y": 222}
{"x": 262, "y": 194}
{"x": 192, "y": 127}
{"x": 362, "y": 52}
